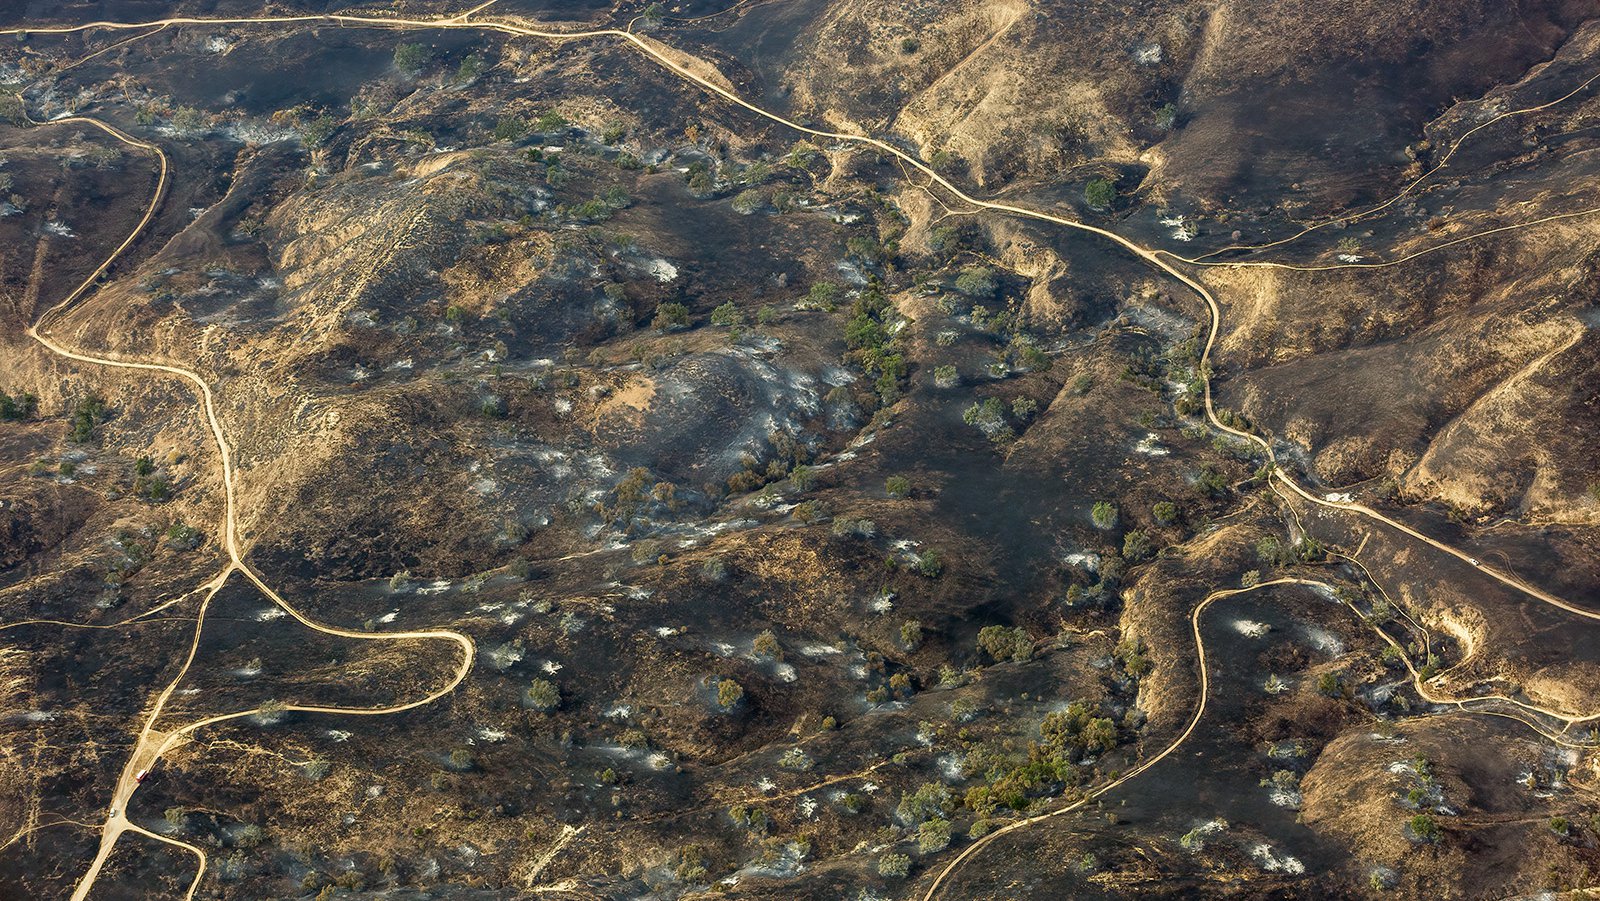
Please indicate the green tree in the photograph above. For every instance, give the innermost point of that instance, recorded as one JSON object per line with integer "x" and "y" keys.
{"x": 749, "y": 201}
{"x": 411, "y": 58}
{"x": 510, "y": 128}
{"x": 16, "y": 408}
{"x": 1166, "y": 513}
{"x": 1269, "y": 551}
{"x": 671, "y": 316}
{"x": 766, "y": 646}
{"x": 1131, "y": 651}
{"x": 1328, "y": 684}
{"x": 1100, "y": 194}
{"x": 543, "y": 695}
{"x": 930, "y": 800}
{"x": 911, "y": 634}
{"x": 977, "y": 282}
{"x": 727, "y": 314}
{"x": 88, "y": 413}
{"x": 933, "y": 836}
{"x": 471, "y": 67}
{"x": 894, "y": 866}
{"x": 1424, "y": 827}
{"x": 802, "y": 477}
{"x": 729, "y": 694}
{"x": 1002, "y": 643}
{"x": 1136, "y": 546}
{"x": 823, "y": 296}
{"x": 897, "y": 486}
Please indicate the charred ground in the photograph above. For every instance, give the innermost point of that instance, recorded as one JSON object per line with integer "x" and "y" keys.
{"x": 809, "y": 528}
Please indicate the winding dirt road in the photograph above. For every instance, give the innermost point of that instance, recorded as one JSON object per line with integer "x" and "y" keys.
{"x": 152, "y": 743}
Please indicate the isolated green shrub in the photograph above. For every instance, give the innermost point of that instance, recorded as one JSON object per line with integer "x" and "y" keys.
{"x": 1104, "y": 515}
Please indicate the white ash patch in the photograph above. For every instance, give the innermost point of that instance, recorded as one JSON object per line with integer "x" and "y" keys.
{"x": 550, "y": 667}
{"x": 1194, "y": 839}
{"x": 1182, "y": 229}
{"x": 1149, "y": 54}
{"x": 59, "y": 229}
{"x": 665, "y": 631}
{"x": 1337, "y": 497}
{"x": 1286, "y": 797}
{"x": 490, "y": 736}
{"x": 1082, "y": 560}
{"x": 1324, "y": 641}
{"x": 1270, "y": 861}
{"x": 661, "y": 270}
{"x": 850, "y": 273}
{"x": 505, "y": 656}
{"x": 258, "y": 133}
{"x": 1350, "y": 257}
{"x": 270, "y": 614}
{"x": 1151, "y": 446}
{"x": 950, "y": 767}
{"x": 723, "y": 649}
{"x": 1250, "y": 628}
{"x": 820, "y": 650}
{"x": 784, "y": 672}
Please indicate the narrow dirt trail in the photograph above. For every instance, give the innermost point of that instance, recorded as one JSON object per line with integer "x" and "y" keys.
{"x": 153, "y": 744}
